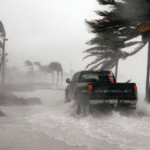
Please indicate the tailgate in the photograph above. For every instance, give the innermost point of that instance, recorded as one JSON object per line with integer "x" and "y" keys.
{"x": 104, "y": 91}
{"x": 114, "y": 91}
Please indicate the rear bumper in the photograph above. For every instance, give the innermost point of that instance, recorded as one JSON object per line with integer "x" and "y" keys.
{"x": 114, "y": 102}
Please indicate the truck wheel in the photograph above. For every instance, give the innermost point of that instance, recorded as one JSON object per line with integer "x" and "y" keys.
{"x": 85, "y": 107}
{"x": 77, "y": 100}
{"x": 78, "y": 105}
{"x": 78, "y": 108}
{"x": 133, "y": 107}
{"x": 67, "y": 98}
{"x": 88, "y": 110}
{"x": 82, "y": 106}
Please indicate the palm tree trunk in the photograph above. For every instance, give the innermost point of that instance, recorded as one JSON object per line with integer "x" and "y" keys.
{"x": 45, "y": 76}
{"x": 32, "y": 72}
{"x": 116, "y": 70}
{"x": 147, "y": 77}
{"x": 41, "y": 76}
{"x": 53, "y": 76}
{"x": 1, "y": 63}
{"x": 61, "y": 77}
{"x": 57, "y": 77}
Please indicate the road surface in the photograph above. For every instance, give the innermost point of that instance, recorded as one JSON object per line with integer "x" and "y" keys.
{"x": 33, "y": 127}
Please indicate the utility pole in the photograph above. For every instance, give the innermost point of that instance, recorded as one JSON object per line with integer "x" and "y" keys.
{"x": 3, "y": 61}
{"x": 3, "y": 34}
{"x": 1, "y": 46}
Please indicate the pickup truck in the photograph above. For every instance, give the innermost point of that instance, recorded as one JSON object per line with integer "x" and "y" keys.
{"x": 100, "y": 87}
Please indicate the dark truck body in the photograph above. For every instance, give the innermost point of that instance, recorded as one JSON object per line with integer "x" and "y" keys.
{"x": 104, "y": 90}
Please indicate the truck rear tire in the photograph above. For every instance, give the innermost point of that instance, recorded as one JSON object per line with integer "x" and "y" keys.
{"x": 85, "y": 107}
{"x": 78, "y": 104}
{"x": 82, "y": 106}
{"x": 67, "y": 100}
{"x": 133, "y": 107}
{"x": 78, "y": 109}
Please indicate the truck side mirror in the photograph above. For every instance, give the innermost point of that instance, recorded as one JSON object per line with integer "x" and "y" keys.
{"x": 128, "y": 81}
{"x": 68, "y": 80}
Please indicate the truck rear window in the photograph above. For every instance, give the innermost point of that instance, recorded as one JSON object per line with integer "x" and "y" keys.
{"x": 93, "y": 77}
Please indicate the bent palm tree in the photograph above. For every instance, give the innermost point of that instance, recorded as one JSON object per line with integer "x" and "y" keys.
{"x": 43, "y": 69}
{"x": 108, "y": 43}
{"x": 38, "y": 64}
{"x": 29, "y": 64}
{"x": 129, "y": 18}
{"x": 56, "y": 66}
{"x": 46, "y": 70}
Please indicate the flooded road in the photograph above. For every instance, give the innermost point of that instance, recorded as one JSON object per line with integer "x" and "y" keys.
{"x": 101, "y": 130}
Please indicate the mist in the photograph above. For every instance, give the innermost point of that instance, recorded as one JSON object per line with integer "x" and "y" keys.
{"x": 33, "y": 111}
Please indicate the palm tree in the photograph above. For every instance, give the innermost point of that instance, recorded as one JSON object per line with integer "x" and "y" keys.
{"x": 43, "y": 69}
{"x": 108, "y": 44}
{"x": 1, "y": 61}
{"x": 46, "y": 70}
{"x": 131, "y": 19}
{"x": 38, "y": 64}
{"x": 56, "y": 66}
{"x": 29, "y": 64}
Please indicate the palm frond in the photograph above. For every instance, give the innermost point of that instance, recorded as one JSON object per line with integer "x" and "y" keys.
{"x": 98, "y": 48}
{"x": 37, "y": 63}
{"x": 137, "y": 49}
{"x": 95, "y": 61}
{"x": 130, "y": 44}
{"x": 28, "y": 63}
{"x": 109, "y": 64}
{"x": 55, "y": 66}
{"x": 100, "y": 58}
{"x": 106, "y": 2}
{"x": 100, "y": 53}
{"x": 101, "y": 63}
{"x": 95, "y": 66}
{"x": 100, "y": 13}
{"x": 88, "y": 56}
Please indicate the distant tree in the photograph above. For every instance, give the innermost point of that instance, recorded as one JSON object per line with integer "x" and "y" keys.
{"x": 29, "y": 64}
{"x": 46, "y": 70}
{"x": 1, "y": 56}
{"x": 38, "y": 64}
{"x": 56, "y": 66}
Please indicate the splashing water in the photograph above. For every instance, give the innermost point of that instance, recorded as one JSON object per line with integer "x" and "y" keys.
{"x": 100, "y": 130}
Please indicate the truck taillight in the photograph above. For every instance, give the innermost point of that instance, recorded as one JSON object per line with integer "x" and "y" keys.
{"x": 111, "y": 79}
{"x": 90, "y": 89}
{"x": 135, "y": 89}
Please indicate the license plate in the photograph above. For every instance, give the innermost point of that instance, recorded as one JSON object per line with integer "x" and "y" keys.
{"x": 113, "y": 101}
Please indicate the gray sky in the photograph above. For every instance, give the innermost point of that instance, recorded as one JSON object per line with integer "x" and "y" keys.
{"x": 47, "y": 30}
{"x": 55, "y": 30}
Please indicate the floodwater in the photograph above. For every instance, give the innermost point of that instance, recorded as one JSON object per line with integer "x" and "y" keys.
{"x": 99, "y": 131}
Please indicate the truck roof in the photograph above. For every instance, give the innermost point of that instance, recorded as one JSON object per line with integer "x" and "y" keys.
{"x": 104, "y": 71}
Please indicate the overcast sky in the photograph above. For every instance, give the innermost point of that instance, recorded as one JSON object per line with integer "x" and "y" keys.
{"x": 55, "y": 30}
{"x": 47, "y": 30}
